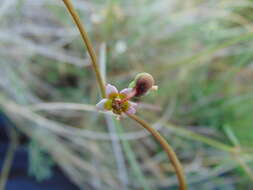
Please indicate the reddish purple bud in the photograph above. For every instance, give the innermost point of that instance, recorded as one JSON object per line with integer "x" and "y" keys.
{"x": 142, "y": 84}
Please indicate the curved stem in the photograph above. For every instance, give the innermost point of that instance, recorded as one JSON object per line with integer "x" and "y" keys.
{"x": 171, "y": 154}
{"x": 167, "y": 148}
{"x": 87, "y": 42}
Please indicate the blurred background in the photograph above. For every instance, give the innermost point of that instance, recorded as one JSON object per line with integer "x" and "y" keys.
{"x": 200, "y": 54}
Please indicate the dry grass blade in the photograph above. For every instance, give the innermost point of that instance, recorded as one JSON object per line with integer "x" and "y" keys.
{"x": 9, "y": 158}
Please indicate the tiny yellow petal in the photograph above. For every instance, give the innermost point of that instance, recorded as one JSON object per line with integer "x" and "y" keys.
{"x": 125, "y": 106}
{"x": 108, "y": 105}
{"x": 113, "y": 96}
{"x": 122, "y": 96}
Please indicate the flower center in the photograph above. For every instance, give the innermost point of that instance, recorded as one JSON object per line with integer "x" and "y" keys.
{"x": 119, "y": 106}
{"x": 116, "y": 104}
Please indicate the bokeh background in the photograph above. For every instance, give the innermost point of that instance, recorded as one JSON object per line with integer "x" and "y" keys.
{"x": 200, "y": 54}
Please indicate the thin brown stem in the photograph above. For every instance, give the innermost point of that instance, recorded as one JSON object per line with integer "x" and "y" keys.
{"x": 167, "y": 148}
{"x": 87, "y": 42}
